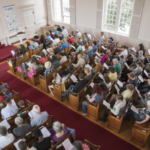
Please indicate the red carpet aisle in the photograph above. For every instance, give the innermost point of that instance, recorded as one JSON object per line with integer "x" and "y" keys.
{"x": 6, "y": 52}
{"x": 85, "y": 129}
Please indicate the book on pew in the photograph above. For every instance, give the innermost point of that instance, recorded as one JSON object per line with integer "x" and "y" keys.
{"x": 106, "y": 104}
{"x": 134, "y": 109}
{"x": 92, "y": 84}
{"x": 5, "y": 123}
{"x": 105, "y": 65}
{"x": 120, "y": 83}
{"x": 32, "y": 114}
{"x": 88, "y": 66}
{"x": 140, "y": 78}
{"x": 73, "y": 78}
{"x": 97, "y": 54}
{"x": 67, "y": 144}
{"x": 13, "y": 52}
{"x": 133, "y": 49}
{"x": 101, "y": 76}
{"x": 146, "y": 73}
{"x": 14, "y": 103}
{"x": 16, "y": 143}
{"x": 45, "y": 132}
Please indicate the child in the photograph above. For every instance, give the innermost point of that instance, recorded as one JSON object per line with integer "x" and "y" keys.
{"x": 6, "y": 93}
{"x": 122, "y": 60}
{"x": 21, "y": 105}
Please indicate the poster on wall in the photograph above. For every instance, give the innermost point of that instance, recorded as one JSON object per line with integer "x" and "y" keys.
{"x": 11, "y": 17}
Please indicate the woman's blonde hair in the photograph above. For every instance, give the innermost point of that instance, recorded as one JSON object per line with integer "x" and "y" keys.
{"x": 87, "y": 69}
{"x": 83, "y": 37}
{"x": 64, "y": 40}
{"x": 130, "y": 87}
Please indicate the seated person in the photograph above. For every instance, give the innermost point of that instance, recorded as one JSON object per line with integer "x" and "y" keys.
{"x": 88, "y": 73}
{"x": 115, "y": 108}
{"x": 90, "y": 51}
{"x": 23, "y": 146}
{"x": 43, "y": 41}
{"x": 104, "y": 87}
{"x": 88, "y": 36}
{"x": 40, "y": 117}
{"x": 141, "y": 57}
{"x": 35, "y": 44}
{"x": 29, "y": 46}
{"x": 78, "y": 47}
{"x": 142, "y": 116}
{"x": 96, "y": 97}
{"x": 94, "y": 45}
{"x": 112, "y": 46}
{"x": 21, "y": 128}
{"x": 58, "y": 132}
{"x": 59, "y": 28}
{"x": 85, "y": 56}
{"x": 77, "y": 87}
{"x": 64, "y": 75}
{"x": 145, "y": 88}
{"x": 57, "y": 49}
{"x": 122, "y": 61}
{"x": 98, "y": 66}
{"x": 60, "y": 36}
{"x": 15, "y": 56}
{"x": 112, "y": 74}
{"x": 107, "y": 81}
{"x": 70, "y": 39}
{"x": 127, "y": 94}
{"x": 9, "y": 110}
{"x": 23, "y": 49}
{"x": 65, "y": 44}
{"x": 42, "y": 57}
{"x": 34, "y": 65}
{"x": 5, "y": 137}
{"x": 64, "y": 31}
{"x": 49, "y": 38}
{"x": 56, "y": 40}
{"x": 105, "y": 57}
{"x": 63, "y": 57}
{"x": 21, "y": 105}
{"x": 117, "y": 65}
{"x": 78, "y": 34}
{"x": 84, "y": 40}
{"x": 55, "y": 63}
{"x": 48, "y": 70}
{"x": 51, "y": 34}
{"x": 80, "y": 62}
{"x": 42, "y": 143}
{"x": 77, "y": 145}
{"x": 113, "y": 41}
{"x": 135, "y": 61}
{"x": 56, "y": 80}
{"x": 6, "y": 93}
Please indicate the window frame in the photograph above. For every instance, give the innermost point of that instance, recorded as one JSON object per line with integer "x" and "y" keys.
{"x": 62, "y": 14}
{"x": 118, "y": 16}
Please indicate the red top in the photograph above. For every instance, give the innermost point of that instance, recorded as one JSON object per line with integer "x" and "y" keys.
{"x": 43, "y": 60}
{"x": 1, "y": 98}
{"x": 52, "y": 35}
{"x": 71, "y": 40}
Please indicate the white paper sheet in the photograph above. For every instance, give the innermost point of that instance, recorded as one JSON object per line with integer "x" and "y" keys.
{"x": 133, "y": 49}
{"x": 45, "y": 132}
{"x": 149, "y": 51}
{"x": 103, "y": 47}
{"x": 67, "y": 144}
{"x": 105, "y": 65}
{"x": 83, "y": 48}
{"x": 5, "y": 123}
{"x": 106, "y": 104}
{"x": 29, "y": 64}
{"x": 132, "y": 55}
{"x": 134, "y": 109}
{"x": 88, "y": 66}
{"x": 97, "y": 54}
{"x": 32, "y": 114}
{"x": 141, "y": 78}
{"x": 101, "y": 76}
{"x": 127, "y": 65}
{"x": 58, "y": 75}
{"x": 96, "y": 57}
{"x": 73, "y": 78}
{"x": 14, "y": 103}
{"x": 137, "y": 90}
{"x": 145, "y": 72}
{"x": 120, "y": 83}
{"x": 45, "y": 52}
{"x": 117, "y": 88}
{"x": 13, "y": 52}
{"x": 87, "y": 96}
{"x": 16, "y": 144}
{"x": 92, "y": 84}
{"x": 51, "y": 56}
{"x": 72, "y": 46}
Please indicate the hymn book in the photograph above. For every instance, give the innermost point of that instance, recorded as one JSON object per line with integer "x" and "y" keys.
{"x": 67, "y": 144}
{"x": 73, "y": 78}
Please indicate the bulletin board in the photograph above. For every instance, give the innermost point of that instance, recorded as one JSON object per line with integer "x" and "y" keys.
{"x": 11, "y": 17}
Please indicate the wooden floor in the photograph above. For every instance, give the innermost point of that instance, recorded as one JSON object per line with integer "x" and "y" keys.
{"x": 126, "y": 128}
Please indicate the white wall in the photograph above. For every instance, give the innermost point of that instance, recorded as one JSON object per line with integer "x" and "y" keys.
{"x": 86, "y": 22}
{"x": 40, "y": 11}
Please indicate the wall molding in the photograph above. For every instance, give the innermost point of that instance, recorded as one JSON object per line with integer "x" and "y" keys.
{"x": 25, "y": 6}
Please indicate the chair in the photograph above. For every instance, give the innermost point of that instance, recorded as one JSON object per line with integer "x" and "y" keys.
{"x": 91, "y": 145}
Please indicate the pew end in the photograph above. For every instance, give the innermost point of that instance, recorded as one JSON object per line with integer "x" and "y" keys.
{"x": 91, "y": 145}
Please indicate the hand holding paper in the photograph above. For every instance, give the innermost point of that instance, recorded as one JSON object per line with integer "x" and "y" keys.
{"x": 67, "y": 144}
{"x": 105, "y": 65}
{"x": 73, "y": 78}
{"x": 120, "y": 83}
{"x": 92, "y": 84}
{"x": 106, "y": 104}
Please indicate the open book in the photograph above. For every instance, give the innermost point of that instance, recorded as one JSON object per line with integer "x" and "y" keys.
{"x": 32, "y": 114}
{"x": 73, "y": 78}
{"x": 67, "y": 144}
{"x": 45, "y": 132}
{"x": 106, "y": 104}
{"x": 5, "y": 123}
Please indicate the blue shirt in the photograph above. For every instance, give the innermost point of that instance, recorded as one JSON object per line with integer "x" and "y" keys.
{"x": 49, "y": 38}
{"x": 56, "y": 32}
{"x": 35, "y": 44}
{"x": 65, "y": 45}
{"x": 94, "y": 48}
{"x": 47, "y": 72}
{"x": 90, "y": 53}
{"x": 30, "y": 47}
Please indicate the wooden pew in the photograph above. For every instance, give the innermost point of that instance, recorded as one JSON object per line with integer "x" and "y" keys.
{"x": 92, "y": 146}
{"x": 36, "y": 50}
{"x": 29, "y": 137}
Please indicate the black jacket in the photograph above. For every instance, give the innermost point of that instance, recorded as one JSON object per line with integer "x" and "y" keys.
{"x": 79, "y": 86}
